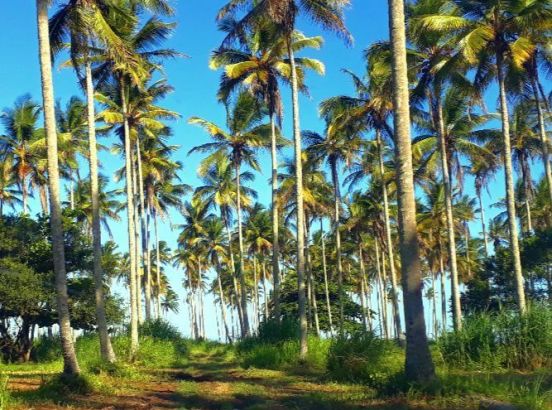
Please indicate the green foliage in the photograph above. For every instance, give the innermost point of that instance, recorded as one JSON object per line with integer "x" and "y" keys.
{"x": 5, "y": 397}
{"x": 503, "y": 340}
{"x": 364, "y": 358}
{"x": 159, "y": 329}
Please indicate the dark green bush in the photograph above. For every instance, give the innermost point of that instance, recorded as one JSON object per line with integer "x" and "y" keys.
{"x": 159, "y": 329}
{"x": 364, "y": 358}
{"x": 46, "y": 349}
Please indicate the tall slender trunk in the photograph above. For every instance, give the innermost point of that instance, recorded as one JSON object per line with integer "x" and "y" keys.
{"x": 434, "y": 304}
{"x": 367, "y": 290}
{"x": 311, "y": 280}
{"x": 443, "y": 289}
{"x": 418, "y": 365}
{"x": 451, "y": 239}
{"x": 483, "y": 222}
{"x": 158, "y": 265}
{"x": 245, "y": 328}
{"x": 365, "y": 311}
{"x": 325, "y": 271}
{"x": 509, "y": 180}
{"x": 298, "y": 151}
{"x": 385, "y": 298}
{"x": 257, "y": 313}
{"x": 382, "y": 295}
{"x": 43, "y": 199}
{"x": 72, "y": 193}
{"x": 70, "y": 363}
{"x": 233, "y": 269}
{"x": 137, "y": 247}
{"x": 131, "y": 227}
{"x": 275, "y": 223}
{"x": 527, "y": 191}
{"x": 543, "y": 137}
{"x": 105, "y": 342}
{"x": 222, "y": 303}
{"x": 389, "y": 240}
{"x": 146, "y": 262}
{"x": 265, "y": 292}
{"x": 339, "y": 262}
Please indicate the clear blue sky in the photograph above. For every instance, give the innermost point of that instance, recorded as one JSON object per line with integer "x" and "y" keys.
{"x": 195, "y": 87}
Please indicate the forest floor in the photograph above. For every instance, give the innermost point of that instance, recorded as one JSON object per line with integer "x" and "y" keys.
{"x": 214, "y": 381}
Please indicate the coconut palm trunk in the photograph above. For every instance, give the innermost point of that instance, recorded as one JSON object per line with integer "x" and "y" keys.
{"x": 418, "y": 365}
{"x": 233, "y": 269}
{"x": 133, "y": 274}
{"x": 509, "y": 180}
{"x": 543, "y": 137}
{"x": 325, "y": 271}
{"x": 145, "y": 242}
{"x": 310, "y": 278}
{"x": 139, "y": 270}
{"x": 275, "y": 222}
{"x": 158, "y": 265}
{"x": 70, "y": 363}
{"x": 388, "y": 239}
{"x": 483, "y": 221}
{"x": 442, "y": 275}
{"x": 245, "y": 328}
{"x": 382, "y": 294}
{"x": 105, "y": 342}
{"x": 451, "y": 242}
{"x": 298, "y": 151}
{"x": 339, "y": 262}
{"x": 222, "y": 303}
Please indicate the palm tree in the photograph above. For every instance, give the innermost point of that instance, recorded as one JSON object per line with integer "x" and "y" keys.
{"x": 500, "y": 29}
{"x": 260, "y": 65}
{"x": 21, "y": 131}
{"x": 419, "y": 365}
{"x": 10, "y": 194}
{"x": 246, "y": 134}
{"x": 329, "y": 14}
{"x": 70, "y": 363}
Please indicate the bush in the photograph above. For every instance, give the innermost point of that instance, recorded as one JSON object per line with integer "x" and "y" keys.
{"x": 46, "y": 349}
{"x": 503, "y": 340}
{"x": 364, "y": 358}
{"x": 159, "y": 329}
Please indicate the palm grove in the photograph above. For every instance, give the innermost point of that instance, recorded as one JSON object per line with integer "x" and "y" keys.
{"x": 371, "y": 210}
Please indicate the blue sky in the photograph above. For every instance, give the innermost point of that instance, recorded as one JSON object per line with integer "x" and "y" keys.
{"x": 195, "y": 87}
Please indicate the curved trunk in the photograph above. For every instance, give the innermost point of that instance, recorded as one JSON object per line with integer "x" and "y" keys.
{"x": 300, "y": 268}
{"x": 509, "y": 180}
{"x": 325, "y": 271}
{"x": 389, "y": 241}
{"x": 245, "y": 328}
{"x": 451, "y": 242}
{"x": 337, "y": 201}
{"x": 70, "y": 364}
{"x": 543, "y": 136}
{"x": 275, "y": 223}
{"x": 419, "y": 365}
{"x": 105, "y": 342}
{"x": 133, "y": 274}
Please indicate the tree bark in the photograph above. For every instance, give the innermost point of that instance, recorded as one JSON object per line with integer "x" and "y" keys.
{"x": 70, "y": 363}
{"x": 298, "y": 151}
{"x": 139, "y": 271}
{"x": 245, "y": 328}
{"x": 418, "y": 365}
{"x": 145, "y": 240}
{"x": 275, "y": 223}
{"x": 382, "y": 295}
{"x": 451, "y": 242}
{"x": 325, "y": 271}
{"x": 339, "y": 262}
{"x": 158, "y": 265}
{"x": 389, "y": 240}
{"x": 131, "y": 227}
{"x": 483, "y": 223}
{"x": 233, "y": 270}
{"x": 509, "y": 180}
{"x": 105, "y": 342}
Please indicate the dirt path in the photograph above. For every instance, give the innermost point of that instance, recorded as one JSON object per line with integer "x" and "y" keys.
{"x": 209, "y": 383}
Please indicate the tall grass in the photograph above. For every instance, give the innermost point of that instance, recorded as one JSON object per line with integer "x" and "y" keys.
{"x": 503, "y": 340}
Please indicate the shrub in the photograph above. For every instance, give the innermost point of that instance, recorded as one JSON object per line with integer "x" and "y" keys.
{"x": 159, "y": 329}
{"x": 364, "y": 358}
{"x": 46, "y": 349}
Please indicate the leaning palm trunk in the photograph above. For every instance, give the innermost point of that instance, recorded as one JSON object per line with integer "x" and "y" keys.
{"x": 133, "y": 274}
{"x": 339, "y": 263}
{"x": 509, "y": 179}
{"x": 543, "y": 137}
{"x": 70, "y": 364}
{"x": 145, "y": 242}
{"x": 325, "y": 271}
{"x": 389, "y": 241}
{"x": 300, "y": 268}
{"x": 275, "y": 223}
{"x": 418, "y": 365}
{"x": 105, "y": 343}
{"x": 456, "y": 307}
{"x": 245, "y": 328}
